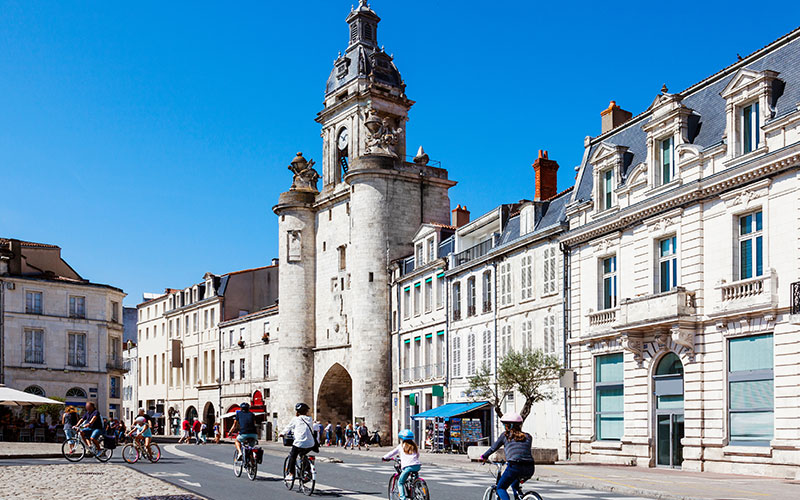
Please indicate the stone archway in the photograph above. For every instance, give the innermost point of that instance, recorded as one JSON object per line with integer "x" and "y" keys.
{"x": 191, "y": 414}
{"x": 209, "y": 417}
{"x": 335, "y": 396}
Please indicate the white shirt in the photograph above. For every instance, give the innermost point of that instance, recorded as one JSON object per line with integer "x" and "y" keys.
{"x": 406, "y": 460}
{"x": 302, "y": 432}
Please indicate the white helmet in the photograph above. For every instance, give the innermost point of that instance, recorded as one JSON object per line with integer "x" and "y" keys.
{"x": 511, "y": 417}
{"x": 140, "y": 420}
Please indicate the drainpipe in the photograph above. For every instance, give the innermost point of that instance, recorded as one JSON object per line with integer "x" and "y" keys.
{"x": 565, "y": 251}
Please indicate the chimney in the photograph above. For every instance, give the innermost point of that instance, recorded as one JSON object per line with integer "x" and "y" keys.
{"x": 275, "y": 262}
{"x": 546, "y": 177}
{"x": 460, "y": 216}
{"x": 613, "y": 116}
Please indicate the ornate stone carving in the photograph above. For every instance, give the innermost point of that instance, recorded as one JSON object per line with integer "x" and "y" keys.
{"x": 383, "y": 137}
{"x": 684, "y": 338}
{"x": 294, "y": 246}
{"x": 305, "y": 177}
{"x": 636, "y": 346}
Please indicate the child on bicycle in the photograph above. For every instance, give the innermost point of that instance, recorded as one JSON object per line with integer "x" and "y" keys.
{"x": 409, "y": 459}
{"x": 141, "y": 430}
{"x": 518, "y": 454}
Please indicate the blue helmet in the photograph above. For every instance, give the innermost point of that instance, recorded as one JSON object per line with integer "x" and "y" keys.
{"x": 406, "y": 435}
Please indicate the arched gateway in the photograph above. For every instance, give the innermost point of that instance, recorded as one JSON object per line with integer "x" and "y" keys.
{"x": 335, "y": 396}
{"x": 668, "y": 392}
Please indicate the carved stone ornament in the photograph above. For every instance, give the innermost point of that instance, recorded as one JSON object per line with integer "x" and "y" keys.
{"x": 382, "y": 136}
{"x": 636, "y": 346}
{"x": 305, "y": 177}
{"x": 684, "y": 338}
{"x": 294, "y": 246}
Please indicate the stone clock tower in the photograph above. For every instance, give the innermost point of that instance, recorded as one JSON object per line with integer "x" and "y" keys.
{"x": 337, "y": 242}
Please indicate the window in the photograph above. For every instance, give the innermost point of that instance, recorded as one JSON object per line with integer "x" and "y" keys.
{"x": 666, "y": 160}
{"x": 114, "y": 349}
{"x": 418, "y": 260}
{"x": 667, "y": 264}
{"x": 241, "y": 368}
{"x": 77, "y": 307}
{"x": 608, "y": 386}
{"x": 196, "y": 371}
{"x": 76, "y": 392}
{"x": 471, "y": 296}
{"x": 487, "y": 349}
{"x": 139, "y": 371}
{"x": 230, "y": 338}
{"x": 607, "y": 181}
{"x": 77, "y": 349}
{"x": 407, "y": 302}
{"x": 456, "y": 356}
{"x": 186, "y": 370}
{"x": 505, "y": 339}
{"x": 750, "y": 127}
{"x": 213, "y": 318}
{"x": 170, "y": 328}
{"x": 266, "y": 366}
{"x": 550, "y": 334}
{"x": 457, "y": 300}
{"x": 417, "y": 298}
{"x": 428, "y": 295}
{"x": 505, "y": 284}
{"x": 487, "y": 291}
{"x": 431, "y": 254}
{"x": 751, "y": 390}
{"x": 527, "y": 335}
{"x": 549, "y": 271}
{"x": 750, "y": 246}
{"x": 35, "y": 390}
{"x": 164, "y": 366}
{"x": 194, "y": 322}
{"x": 232, "y": 372}
{"x": 33, "y": 302}
{"x": 205, "y": 319}
{"x": 470, "y": 354}
{"x": 34, "y": 346}
{"x": 526, "y": 275}
{"x": 342, "y": 258}
{"x": 440, "y": 291}
{"x": 609, "y": 268}
{"x": 113, "y": 388}
{"x": 178, "y": 327}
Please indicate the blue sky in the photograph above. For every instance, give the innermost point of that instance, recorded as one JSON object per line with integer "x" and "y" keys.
{"x": 150, "y": 139}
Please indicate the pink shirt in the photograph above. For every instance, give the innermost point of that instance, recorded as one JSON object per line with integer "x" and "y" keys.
{"x": 406, "y": 460}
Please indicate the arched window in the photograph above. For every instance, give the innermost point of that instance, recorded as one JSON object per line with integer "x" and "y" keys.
{"x": 670, "y": 364}
{"x": 35, "y": 389}
{"x": 76, "y": 392}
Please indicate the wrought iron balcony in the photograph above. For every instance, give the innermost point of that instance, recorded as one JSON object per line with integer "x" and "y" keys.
{"x": 795, "y": 297}
{"x": 474, "y": 252}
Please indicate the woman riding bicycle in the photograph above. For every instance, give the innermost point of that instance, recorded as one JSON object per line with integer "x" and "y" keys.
{"x": 409, "y": 459}
{"x": 300, "y": 428}
{"x": 518, "y": 454}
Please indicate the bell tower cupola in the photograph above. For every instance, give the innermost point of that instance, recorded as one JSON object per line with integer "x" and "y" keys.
{"x": 364, "y": 94}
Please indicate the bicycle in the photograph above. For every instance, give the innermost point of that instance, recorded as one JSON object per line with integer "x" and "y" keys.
{"x": 416, "y": 487}
{"x": 248, "y": 461}
{"x": 74, "y": 449}
{"x": 491, "y": 491}
{"x": 133, "y": 451}
{"x": 305, "y": 470}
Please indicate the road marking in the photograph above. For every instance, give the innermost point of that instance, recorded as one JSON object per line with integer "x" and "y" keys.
{"x": 168, "y": 474}
{"x": 189, "y": 483}
{"x": 331, "y": 490}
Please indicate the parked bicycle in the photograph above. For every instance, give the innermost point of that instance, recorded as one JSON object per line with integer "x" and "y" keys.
{"x": 251, "y": 457}
{"x": 74, "y": 449}
{"x": 135, "y": 450}
{"x": 491, "y": 491}
{"x": 416, "y": 487}
{"x": 305, "y": 474}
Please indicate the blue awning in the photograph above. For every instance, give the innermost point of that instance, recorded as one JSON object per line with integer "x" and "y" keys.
{"x": 451, "y": 410}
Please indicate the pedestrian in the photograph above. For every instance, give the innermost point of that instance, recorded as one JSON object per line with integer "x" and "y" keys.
{"x": 196, "y": 426}
{"x": 203, "y": 432}
{"x": 217, "y": 434}
{"x": 349, "y": 435}
{"x": 186, "y": 427}
{"x": 363, "y": 435}
{"x": 339, "y": 434}
{"x": 328, "y": 431}
{"x": 318, "y": 431}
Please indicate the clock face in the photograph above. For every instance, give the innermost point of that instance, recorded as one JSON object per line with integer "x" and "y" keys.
{"x": 341, "y": 142}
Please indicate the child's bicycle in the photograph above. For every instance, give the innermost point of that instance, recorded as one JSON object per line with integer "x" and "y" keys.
{"x": 416, "y": 487}
{"x": 133, "y": 451}
{"x": 491, "y": 491}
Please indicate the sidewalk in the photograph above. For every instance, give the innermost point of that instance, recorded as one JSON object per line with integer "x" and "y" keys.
{"x": 29, "y": 450}
{"x": 668, "y": 484}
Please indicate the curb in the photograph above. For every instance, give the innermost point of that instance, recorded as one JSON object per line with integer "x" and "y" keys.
{"x": 31, "y": 455}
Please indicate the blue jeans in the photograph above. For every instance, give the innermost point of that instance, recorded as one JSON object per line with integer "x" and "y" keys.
{"x": 511, "y": 477}
{"x": 401, "y": 481}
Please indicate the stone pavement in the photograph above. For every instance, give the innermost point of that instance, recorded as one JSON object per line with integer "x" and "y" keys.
{"x": 88, "y": 481}
{"x": 29, "y": 450}
{"x": 668, "y": 484}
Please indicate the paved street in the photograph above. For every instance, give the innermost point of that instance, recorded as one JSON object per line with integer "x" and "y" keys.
{"x": 207, "y": 471}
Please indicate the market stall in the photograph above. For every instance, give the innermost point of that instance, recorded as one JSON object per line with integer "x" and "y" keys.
{"x": 455, "y": 426}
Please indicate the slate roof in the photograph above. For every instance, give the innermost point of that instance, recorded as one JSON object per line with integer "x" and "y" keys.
{"x": 782, "y": 56}
{"x": 553, "y": 215}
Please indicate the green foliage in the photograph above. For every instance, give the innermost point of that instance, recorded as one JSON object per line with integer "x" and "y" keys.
{"x": 53, "y": 411}
{"x": 530, "y": 373}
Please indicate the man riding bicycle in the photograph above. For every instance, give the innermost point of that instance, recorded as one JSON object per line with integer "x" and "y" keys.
{"x": 245, "y": 422}
{"x": 91, "y": 426}
{"x": 300, "y": 428}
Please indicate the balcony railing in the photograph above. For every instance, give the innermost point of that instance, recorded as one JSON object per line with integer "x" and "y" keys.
{"x": 471, "y": 310}
{"x": 417, "y": 373}
{"x": 748, "y": 294}
{"x": 439, "y": 370}
{"x": 428, "y": 371}
{"x": 114, "y": 364}
{"x": 743, "y": 289}
{"x": 405, "y": 375}
{"x": 487, "y": 306}
{"x": 795, "y": 299}
{"x": 474, "y": 252}
{"x": 604, "y": 317}
{"x": 456, "y": 314}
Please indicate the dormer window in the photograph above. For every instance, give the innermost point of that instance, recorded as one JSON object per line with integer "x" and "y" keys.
{"x": 607, "y": 180}
{"x": 750, "y": 127}
{"x": 749, "y": 94}
{"x": 666, "y": 159}
{"x": 608, "y": 161}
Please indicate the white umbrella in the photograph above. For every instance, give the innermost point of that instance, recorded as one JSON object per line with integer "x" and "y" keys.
{"x": 13, "y": 397}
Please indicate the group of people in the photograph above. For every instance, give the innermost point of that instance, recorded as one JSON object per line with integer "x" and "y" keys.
{"x": 198, "y": 430}
{"x": 347, "y": 436}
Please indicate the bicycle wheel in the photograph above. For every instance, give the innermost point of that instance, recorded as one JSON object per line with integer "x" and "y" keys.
{"x": 238, "y": 463}
{"x": 155, "y": 453}
{"x": 489, "y": 494}
{"x": 73, "y": 450}
{"x": 104, "y": 454}
{"x": 130, "y": 454}
{"x": 531, "y": 495}
{"x": 289, "y": 484}
{"x": 252, "y": 469}
{"x": 420, "y": 491}
{"x": 392, "y": 493}
{"x": 307, "y": 480}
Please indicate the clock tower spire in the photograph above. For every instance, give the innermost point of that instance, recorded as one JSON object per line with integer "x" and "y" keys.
{"x": 364, "y": 88}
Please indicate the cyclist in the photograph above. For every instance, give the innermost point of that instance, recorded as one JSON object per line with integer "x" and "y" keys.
{"x": 141, "y": 430}
{"x": 300, "y": 428}
{"x": 409, "y": 459}
{"x": 518, "y": 454}
{"x": 245, "y": 422}
{"x": 92, "y": 426}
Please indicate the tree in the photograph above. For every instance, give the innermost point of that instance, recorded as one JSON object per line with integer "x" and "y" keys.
{"x": 52, "y": 410}
{"x": 529, "y": 373}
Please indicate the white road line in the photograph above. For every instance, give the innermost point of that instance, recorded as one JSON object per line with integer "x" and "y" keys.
{"x": 171, "y": 448}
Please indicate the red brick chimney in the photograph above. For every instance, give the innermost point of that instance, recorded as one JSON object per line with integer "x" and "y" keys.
{"x": 459, "y": 216}
{"x": 613, "y": 116}
{"x": 546, "y": 177}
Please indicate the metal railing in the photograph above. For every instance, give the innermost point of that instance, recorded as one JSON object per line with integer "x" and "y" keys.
{"x": 795, "y": 299}
{"x": 474, "y": 252}
{"x": 439, "y": 370}
{"x": 405, "y": 375}
{"x": 114, "y": 364}
{"x": 471, "y": 310}
{"x": 456, "y": 314}
{"x": 487, "y": 306}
